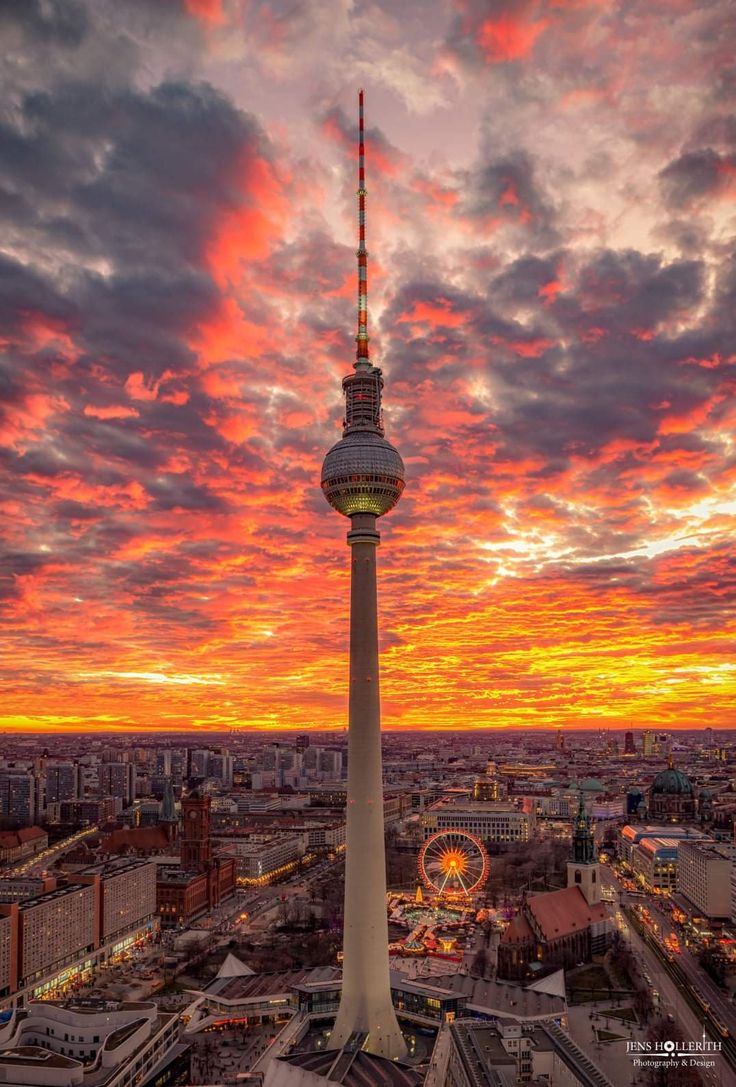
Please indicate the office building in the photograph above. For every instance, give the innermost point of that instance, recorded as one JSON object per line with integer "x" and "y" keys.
{"x": 260, "y": 858}
{"x": 495, "y": 823}
{"x": 118, "y": 779}
{"x": 18, "y": 888}
{"x": 654, "y": 861}
{"x": 631, "y": 835}
{"x": 127, "y": 897}
{"x": 62, "y": 782}
{"x": 61, "y": 933}
{"x": 198, "y": 763}
{"x": 90, "y": 812}
{"x": 220, "y": 767}
{"x": 507, "y": 1053}
{"x": 56, "y": 930}
{"x": 704, "y": 877}
{"x": 19, "y": 799}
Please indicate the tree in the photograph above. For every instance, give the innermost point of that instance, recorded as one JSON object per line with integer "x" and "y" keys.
{"x": 682, "y": 1076}
{"x": 713, "y": 965}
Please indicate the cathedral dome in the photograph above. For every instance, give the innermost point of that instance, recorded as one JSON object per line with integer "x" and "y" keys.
{"x": 592, "y": 785}
{"x": 672, "y": 782}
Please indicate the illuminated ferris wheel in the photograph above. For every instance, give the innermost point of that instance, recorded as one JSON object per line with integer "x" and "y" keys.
{"x": 453, "y": 862}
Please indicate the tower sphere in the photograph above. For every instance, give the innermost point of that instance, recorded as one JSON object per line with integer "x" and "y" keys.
{"x": 363, "y": 473}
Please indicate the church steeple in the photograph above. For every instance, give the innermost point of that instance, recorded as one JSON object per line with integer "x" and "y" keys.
{"x": 582, "y": 868}
{"x": 167, "y": 816}
{"x": 583, "y": 847}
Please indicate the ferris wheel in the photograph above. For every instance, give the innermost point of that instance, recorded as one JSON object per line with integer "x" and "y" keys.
{"x": 453, "y": 862}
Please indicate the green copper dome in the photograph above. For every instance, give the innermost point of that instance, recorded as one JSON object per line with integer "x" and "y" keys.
{"x": 671, "y": 782}
{"x": 592, "y": 785}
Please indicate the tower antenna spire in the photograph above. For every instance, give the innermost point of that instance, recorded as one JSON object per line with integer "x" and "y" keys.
{"x": 362, "y": 337}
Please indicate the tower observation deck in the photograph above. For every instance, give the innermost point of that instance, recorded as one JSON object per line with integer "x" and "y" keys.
{"x": 362, "y": 478}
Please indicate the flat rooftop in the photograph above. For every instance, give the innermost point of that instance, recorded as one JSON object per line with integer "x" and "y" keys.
{"x": 257, "y": 986}
{"x": 355, "y": 1069}
{"x": 504, "y": 998}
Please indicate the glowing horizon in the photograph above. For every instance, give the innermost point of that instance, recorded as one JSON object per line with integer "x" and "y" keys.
{"x": 552, "y": 202}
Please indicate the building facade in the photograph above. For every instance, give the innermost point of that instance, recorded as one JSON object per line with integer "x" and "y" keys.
{"x": 704, "y": 877}
{"x": 65, "y": 1045}
{"x": 62, "y": 781}
{"x": 64, "y": 931}
{"x": 497, "y": 824}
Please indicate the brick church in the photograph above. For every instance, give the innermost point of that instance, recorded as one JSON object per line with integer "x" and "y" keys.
{"x": 560, "y": 928}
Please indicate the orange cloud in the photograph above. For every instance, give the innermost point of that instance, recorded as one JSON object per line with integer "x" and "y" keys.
{"x": 115, "y": 411}
{"x": 437, "y": 313}
{"x": 508, "y": 38}
{"x": 209, "y": 11}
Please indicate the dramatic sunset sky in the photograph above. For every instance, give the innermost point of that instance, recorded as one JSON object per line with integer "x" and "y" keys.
{"x": 551, "y": 210}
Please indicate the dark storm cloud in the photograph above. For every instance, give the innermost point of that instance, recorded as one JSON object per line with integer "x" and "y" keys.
{"x": 694, "y": 176}
{"x": 138, "y": 180}
{"x": 627, "y": 292}
{"x": 74, "y": 511}
{"x": 61, "y": 22}
{"x": 139, "y": 321}
{"x": 617, "y": 376}
{"x": 523, "y": 281}
{"x": 171, "y": 492}
{"x": 506, "y": 189}
{"x": 181, "y": 309}
{"x": 20, "y": 562}
{"x": 142, "y": 174}
{"x": 24, "y": 291}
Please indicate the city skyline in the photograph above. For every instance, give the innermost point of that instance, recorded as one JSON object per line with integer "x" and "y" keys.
{"x": 552, "y": 296}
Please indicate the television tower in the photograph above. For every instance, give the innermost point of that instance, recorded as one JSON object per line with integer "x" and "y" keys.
{"x": 363, "y": 477}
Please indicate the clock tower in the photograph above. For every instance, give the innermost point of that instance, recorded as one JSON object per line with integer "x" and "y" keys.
{"x": 196, "y": 845}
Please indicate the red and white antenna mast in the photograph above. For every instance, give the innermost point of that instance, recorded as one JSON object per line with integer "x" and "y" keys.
{"x": 362, "y": 337}
{"x": 363, "y": 388}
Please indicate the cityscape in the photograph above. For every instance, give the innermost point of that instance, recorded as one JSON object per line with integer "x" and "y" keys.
{"x": 450, "y": 801}
{"x": 174, "y": 914}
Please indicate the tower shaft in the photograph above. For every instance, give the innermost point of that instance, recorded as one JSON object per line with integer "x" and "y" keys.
{"x": 365, "y": 1005}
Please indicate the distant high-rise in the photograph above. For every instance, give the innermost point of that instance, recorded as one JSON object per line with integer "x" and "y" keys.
{"x": 18, "y": 798}
{"x": 198, "y": 762}
{"x": 647, "y": 744}
{"x": 118, "y": 779}
{"x": 629, "y": 746}
{"x": 362, "y": 478}
{"x": 62, "y": 781}
{"x": 220, "y": 767}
